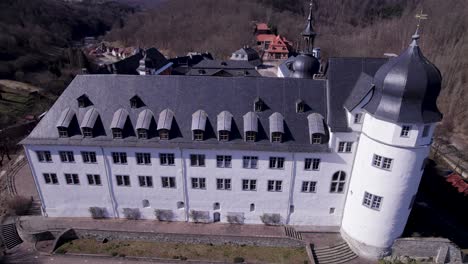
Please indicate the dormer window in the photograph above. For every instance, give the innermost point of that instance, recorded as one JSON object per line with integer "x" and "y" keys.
{"x": 63, "y": 132}
{"x": 87, "y": 132}
{"x": 223, "y": 135}
{"x": 136, "y": 102}
{"x": 250, "y": 136}
{"x": 164, "y": 134}
{"x": 300, "y": 106}
{"x": 316, "y": 139}
{"x": 133, "y": 104}
{"x": 142, "y": 133}
{"x": 198, "y": 135}
{"x": 277, "y": 137}
{"x": 117, "y": 133}
{"x": 258, "y": 105}
{"x": 83, "y": 101}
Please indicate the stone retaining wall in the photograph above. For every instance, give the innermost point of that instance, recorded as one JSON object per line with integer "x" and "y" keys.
{"x": 189, "y": 238}
{"x": 439, "y": 249}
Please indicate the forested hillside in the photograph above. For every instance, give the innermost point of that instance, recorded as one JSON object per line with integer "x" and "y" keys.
{"x": 346, "y": 28}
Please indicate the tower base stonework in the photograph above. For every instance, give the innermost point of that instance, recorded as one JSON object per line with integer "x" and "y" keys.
{"x": 364, "y": 250}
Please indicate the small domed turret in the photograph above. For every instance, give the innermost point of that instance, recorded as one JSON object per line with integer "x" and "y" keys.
{"x": 406, "y": 88}
{"x": 305, "y": 66}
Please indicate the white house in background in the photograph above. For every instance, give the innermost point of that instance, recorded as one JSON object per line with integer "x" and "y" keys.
{"x": 345, "y": 152}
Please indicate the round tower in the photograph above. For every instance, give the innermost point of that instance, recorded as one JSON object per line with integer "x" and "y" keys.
{"x": 399, "y": 121}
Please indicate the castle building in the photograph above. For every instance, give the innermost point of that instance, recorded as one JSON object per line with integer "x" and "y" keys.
{"x": 340, "y": 153}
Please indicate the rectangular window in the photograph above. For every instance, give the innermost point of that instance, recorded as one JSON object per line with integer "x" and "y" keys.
{"x": 168, "y": 182}
{"x": 382, "y": 162}
{"x": 44, "y": 156}
{"x": 249, "y": 162}
{"x": 198, "y": 135}
{"x": 122, "y": 180}
{"x": 119, "y": 157}
{"x": 276, "y": 137}
{"x": 72, "y": 178}
{"x": 63, "y": 132}
{"x": 166, "y": 159}
{"x": 250, "y": 136}
{"x": 143, "y": 158}
{"x": 276, "y": 163}
{"x": 249, "y": 185}
{"x": 94, "y": 179}
{"x": 223, "y": 184}
{"x": 308, "y": 186}
{"x": 50, "y": 178}
{"x": 372, "y": 201}
{"x": 66, "y": 156}
{"x": 358, "y": 118}
{"x": 338, "y": 182}
{"x": 87, "y": 132}
{"x": 88, "y": 156}
{"x": 316, "y": 139}
{"x": 405, "y": 130}
{"x": 275, "y": 186}
{"x": 145, "y": 181}
{"x": 117, "y": 133}
{"x": 198, "y": 183}
{"x": 142, "y": 134}
{"x": 345, "y": 147}
{"x": 164, "y": 134}
{"x": 197, "y": 160}
{"x": 223, "y": 161}
{"x": 311, "y": 164}
{"x": 223, "y": 135}
{"x": 426, "y": 130}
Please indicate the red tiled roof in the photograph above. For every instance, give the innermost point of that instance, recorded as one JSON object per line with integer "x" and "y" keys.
{"x": 262, "y": 26}
{"x": 458, "y": 182}
{"x": 265, "y": 37}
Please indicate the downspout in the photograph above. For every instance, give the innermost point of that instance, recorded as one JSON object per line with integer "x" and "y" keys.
{"x": 291, "y": 187}
{"x": 184, "y": 185}
{"x": 36, "y": 182}
{"x": 109, "y": 184}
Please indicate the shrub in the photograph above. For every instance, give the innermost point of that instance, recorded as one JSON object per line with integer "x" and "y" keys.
{"x": 271, "y": 219}
{"x": 235, "y": 219}
{"x": 114, "y": 254}
{"x": 19, "y": 205}
{"x": 199, "y": 216}
{"x": 98, "y": 212}
{"x": 60, "y": 251}
{"x": 239, "y": 260}
{"x": 164, "y": 215}
{"x": 132, "y": 213}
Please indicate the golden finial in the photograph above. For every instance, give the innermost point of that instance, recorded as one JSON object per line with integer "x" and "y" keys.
{"x": 421, "y": 16}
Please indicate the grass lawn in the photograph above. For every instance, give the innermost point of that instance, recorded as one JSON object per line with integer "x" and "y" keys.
{"x": 250, "y": 254}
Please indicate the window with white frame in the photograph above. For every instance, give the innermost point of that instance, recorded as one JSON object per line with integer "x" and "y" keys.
{"x": 143, "y": 158}
{"x": 372, "y": 201}
{"x": 197, "y": 135}
{"x": 88, "y": 156}
{"x": 119, "y": 157}
{"x": 93, "y": 179}
{"x": 50, "y": 178}
{"x": 358, "y": 118}
{"x": 250, "y": 136}
{"x": 87, "y": 132}
{"x": 316, "y": 139}
{"x": 142, "y": 133}
{"x": 249, "y": 185}
{"x": 117, "y": 133}
{"x": 277, "y": 137}
{"x": 72, "y": 178}
{"x": 382, "y": 162}
{"x": 311, "y": 164}
{"x": 223, "y": 184}
{"x": 223, "y": 161}
{"x": 308, "y": 186}
{"x": 198, "y": 183}
{"x": 405, "y": 131}
{"x": 145, "y": 181}
{"x": 338, "y": 182}
{"x": 63, "y": 132}
{"x": 275, "y": 186}
{"x": 122, "y": 180}
{"x": 44, "y": 156}
{"x": 168, "y": 182}
{"x": 276, "y": 163}
{"x": 66, "y": 156}
{"x": 249, "y": 162}
{"x": 345, "y": 146}
{"x": 223, "y": 135}
{"x": 197, "y": 160}
{"x": 426, "y": 130}
{"x": 166, "y": 159}
{"x": 163, "y": 134}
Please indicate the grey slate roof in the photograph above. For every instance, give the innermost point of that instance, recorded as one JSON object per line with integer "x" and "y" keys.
{"x": 144, "y": 119}
{"x": 184, "y": 95}
{"x": 224, "y": 121}
{"x": 362, "y": 87}
{"x": 316, "y": 125}
{"x": 250, "y": 54}
{"x": 89, "y": 118}
{"x": 342, "y": 75}
{"x": 199, "y": 120}
{"x": 250, "y": 122}
{"x": 120, "y": 116}
{"x": 66, "y": 117}
{"x": 233, "y": 68}
{"x": 276, "y": 121}
{"x": 165, "y": 119}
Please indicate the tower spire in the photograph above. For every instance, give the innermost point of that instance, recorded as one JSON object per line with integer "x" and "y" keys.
{"x": 308, "y": 34}
{"x": 420, "y": 16}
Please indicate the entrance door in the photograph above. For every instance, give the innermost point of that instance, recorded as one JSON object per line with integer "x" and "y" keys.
{"x": 216, "y": 217}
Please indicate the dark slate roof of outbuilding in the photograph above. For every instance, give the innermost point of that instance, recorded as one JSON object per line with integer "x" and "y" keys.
{"x": 342, "y": 75}
{"x": 232, "y": 67}
{"x": 184, "y": 95}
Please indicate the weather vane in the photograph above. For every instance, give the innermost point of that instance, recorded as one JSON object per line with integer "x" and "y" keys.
{"x": 421, "y": 16}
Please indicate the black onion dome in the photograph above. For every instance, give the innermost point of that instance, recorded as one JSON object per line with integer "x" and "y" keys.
{"x": 305, "y": 66}
{"x": 406, "y": 89}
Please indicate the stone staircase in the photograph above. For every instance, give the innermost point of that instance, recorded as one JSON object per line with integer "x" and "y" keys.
{"x": 340, "y": 253}
{"x": 35, "y": 208}
{"x": 292, "y": 233}
{"x": 10, "y": 236}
